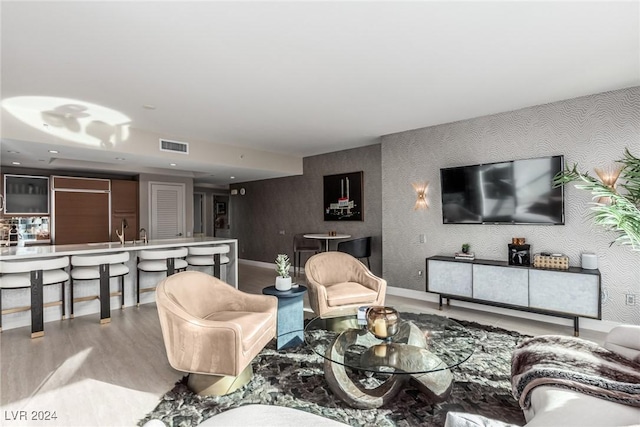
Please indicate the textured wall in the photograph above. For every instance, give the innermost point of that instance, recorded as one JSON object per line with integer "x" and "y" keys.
{"x": 295, "y": 205}
{"x": 592, "y": 131}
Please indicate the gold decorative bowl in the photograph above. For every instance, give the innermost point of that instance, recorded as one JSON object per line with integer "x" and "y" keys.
{"x": 383, "y": 322}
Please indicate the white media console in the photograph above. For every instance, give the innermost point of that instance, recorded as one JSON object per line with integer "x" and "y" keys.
{"x": 571, "y": 293}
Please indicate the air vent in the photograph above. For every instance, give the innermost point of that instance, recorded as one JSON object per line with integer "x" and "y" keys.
{"x": 174, "y": 146}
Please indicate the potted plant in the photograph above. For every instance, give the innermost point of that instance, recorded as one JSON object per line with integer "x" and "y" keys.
{"x": 615, "y": 209}
{"x": 465, "y": 248}
{"x": 283, "y": 281}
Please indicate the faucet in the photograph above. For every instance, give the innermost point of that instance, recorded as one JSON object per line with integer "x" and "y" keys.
{"x": 123, "y": 225}
{"x": 143, "y": 232}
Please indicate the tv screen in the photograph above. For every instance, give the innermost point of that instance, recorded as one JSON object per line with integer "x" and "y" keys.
{"x": 513, "y": 192}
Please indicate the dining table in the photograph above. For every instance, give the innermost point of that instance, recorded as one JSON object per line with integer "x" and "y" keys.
{"x": 327, "y": 237}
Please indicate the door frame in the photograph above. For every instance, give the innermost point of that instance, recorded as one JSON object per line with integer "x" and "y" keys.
{"x": 203, "y": 212}
{"x": 184, "y": 203}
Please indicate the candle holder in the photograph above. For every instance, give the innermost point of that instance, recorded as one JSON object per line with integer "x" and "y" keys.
{"x": 383, "y": 322}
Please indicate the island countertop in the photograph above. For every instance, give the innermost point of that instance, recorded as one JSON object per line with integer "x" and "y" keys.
{"x": 43, "y": 251}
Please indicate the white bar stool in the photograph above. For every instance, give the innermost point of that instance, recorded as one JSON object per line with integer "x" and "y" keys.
{"x": 169, "y": 260}
{"x": 103, "y": 268}
{"x": 209, "y": 256}
{"x": 34, "y": 275}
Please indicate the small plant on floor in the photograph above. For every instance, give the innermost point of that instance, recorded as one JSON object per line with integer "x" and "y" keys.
{"x": 465, "y": 248}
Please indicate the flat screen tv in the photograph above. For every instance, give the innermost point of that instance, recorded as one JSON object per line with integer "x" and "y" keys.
{"x": 513, "y": 192}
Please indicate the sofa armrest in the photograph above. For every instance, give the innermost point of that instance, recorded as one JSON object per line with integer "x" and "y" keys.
{"x": 624, "y": 340}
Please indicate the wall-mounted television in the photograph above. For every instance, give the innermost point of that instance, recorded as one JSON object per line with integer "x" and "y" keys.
{"x": 512, "y": 192}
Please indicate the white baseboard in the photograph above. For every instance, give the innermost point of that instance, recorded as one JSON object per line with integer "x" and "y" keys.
{"x": 591, "y": 324}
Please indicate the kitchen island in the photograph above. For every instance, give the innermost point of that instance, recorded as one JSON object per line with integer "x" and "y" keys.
{"x": 21, "y": 297}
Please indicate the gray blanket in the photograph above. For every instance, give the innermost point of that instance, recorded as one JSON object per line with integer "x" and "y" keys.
{"x": 574, "y": 364}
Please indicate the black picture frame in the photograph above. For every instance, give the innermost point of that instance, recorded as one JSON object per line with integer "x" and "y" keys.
{"x": 343, "y": 197}
{"x": 221, "y": 208}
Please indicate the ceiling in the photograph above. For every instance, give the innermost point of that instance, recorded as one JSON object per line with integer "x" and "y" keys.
{"x": 301, "y": 78}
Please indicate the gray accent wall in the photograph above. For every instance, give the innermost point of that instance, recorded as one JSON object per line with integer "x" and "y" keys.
{"x": 295, "y": 205}
{"x": 592, "y": 131}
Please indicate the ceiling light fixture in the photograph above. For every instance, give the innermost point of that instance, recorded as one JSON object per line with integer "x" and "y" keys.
{"x": 149, "y": 107}
{"x": 13, "y": 152}
{"x": 54, "y": 151}
{"x": 172, "y": 164}
{"x": 232, "y": 177}
{"x": 120, "y": 158}
{"x": 15, "y": 163}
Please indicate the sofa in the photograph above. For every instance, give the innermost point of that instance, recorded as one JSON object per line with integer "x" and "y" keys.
{"x": 553, "y": 406}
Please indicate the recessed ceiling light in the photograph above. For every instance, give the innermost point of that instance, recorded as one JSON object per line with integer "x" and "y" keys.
{"x": 172, "y": 164}
{"x": 232, "y": 177}
{"x": 54, "y": 151}
{"x": 13, "y": 152}
{"x": 120, "y": 158}
{"x": 149, "y": 107}
{"x": 15, "y": 163}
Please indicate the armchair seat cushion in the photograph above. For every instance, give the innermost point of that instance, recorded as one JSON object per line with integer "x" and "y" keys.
{"x": 252, "y": 325}
{"x": 346, "y": 293}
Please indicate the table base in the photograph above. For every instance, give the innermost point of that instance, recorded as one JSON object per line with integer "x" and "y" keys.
{"x": 436, "y": 385}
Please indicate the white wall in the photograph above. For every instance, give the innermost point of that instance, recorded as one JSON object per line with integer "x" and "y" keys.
{"x": 592, "y": 131}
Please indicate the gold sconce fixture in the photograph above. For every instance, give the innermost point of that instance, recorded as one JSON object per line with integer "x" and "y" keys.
{"x": 421, "y": 191}
{"x": 609, "y": 177}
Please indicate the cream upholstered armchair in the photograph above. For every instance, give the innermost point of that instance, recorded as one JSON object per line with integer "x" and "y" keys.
{"x": 338, "y": 284}
{"x": 212, "y": 330}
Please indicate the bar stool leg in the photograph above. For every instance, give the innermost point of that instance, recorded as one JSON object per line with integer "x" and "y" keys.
{"x": 138, "y": 286}
{"x": 105, "y": 294}
{"x": 63, "y": 301}
{"x": 71, "y": 296}
{"x": 216, "y": 265}
{"x": 121, "y": 292}
{"x": 37, "y": 302}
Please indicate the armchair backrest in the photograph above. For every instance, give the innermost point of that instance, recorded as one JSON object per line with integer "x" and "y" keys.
{"x": 198, "y": 294}
{"x": 328, "y": 268}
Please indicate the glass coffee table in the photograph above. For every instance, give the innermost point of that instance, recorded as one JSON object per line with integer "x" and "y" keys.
{"x": 422, "y": 352}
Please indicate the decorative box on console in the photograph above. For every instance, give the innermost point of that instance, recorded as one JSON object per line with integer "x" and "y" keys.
{"x": 560, "y": 262}
{"x": 519, "y": 254}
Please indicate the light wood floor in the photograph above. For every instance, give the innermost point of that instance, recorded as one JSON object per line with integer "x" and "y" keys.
{"x": 112, "y": 375}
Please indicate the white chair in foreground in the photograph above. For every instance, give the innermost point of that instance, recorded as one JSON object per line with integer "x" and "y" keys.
{"x": 34, "y": 275}
{"x": 159, "y": 260}
{"x": 102, "y": 268}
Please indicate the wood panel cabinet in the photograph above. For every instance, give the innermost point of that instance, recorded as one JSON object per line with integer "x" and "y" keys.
{"x": 571, "y": 293}
{"x": 124, "y": 207}
{"x": 80, "y": 210}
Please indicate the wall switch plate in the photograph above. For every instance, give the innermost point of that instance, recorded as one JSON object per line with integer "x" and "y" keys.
{"x": 281, "y": 232}
{"x": 420, "y": 273}
{"x": 630, "y": 299}
{"x": 421, "y": 237}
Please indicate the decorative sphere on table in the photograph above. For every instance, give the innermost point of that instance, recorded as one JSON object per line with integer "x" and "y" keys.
{"x": 383, "y": 322}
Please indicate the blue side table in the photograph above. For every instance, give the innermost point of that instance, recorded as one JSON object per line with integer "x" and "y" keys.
{"x": 290, "y": 326}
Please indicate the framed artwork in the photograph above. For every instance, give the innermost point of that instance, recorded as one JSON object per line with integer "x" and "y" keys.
{"x": 343, "y": 197}
{"x": 221, "y": 208}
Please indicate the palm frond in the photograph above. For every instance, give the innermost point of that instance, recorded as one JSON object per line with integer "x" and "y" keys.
{"x": 621, "y": 214}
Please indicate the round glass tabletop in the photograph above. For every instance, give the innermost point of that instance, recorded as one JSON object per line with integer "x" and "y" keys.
{"x": 424, "y": 343}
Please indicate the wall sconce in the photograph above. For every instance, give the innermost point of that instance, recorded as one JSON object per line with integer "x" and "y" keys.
{"x": 609, "y": 177}
{"x": 421, "y": 191}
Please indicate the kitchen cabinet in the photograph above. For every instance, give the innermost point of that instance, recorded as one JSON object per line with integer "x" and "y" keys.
{"x": 124, "y": 207}
{"x": 26, "y": 195}
{"x": 80, "y": 210}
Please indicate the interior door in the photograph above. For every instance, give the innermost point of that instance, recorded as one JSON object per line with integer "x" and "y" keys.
{"x": 167, "y": 211}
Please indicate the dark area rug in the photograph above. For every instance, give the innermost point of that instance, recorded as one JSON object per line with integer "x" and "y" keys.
{"x": 295, "y": 378}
